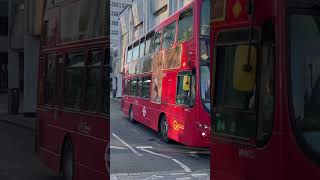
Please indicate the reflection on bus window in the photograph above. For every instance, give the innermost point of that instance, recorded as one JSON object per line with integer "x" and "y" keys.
{"x": 129, "y": 54}
{"x": 185, "y": 29}
{"x": 146, "y": 85}
{"x": 235, "y": 86}
{"x": 183, "y": 89}
{"x": 305, "y": 77}
{"x": 133, "y": 88}
{"x": 157, "y": 42}
{"x": 169, "y": 35}
{"x": 205, "y": 18}
{"x": 149, "y": 43}
{"x": 93, "y": 79}
{"x": 142, "y": 46}
{"x": 50, "y": 84}
{"x": 135, "y": 51}
{"x": 74, "y": 75}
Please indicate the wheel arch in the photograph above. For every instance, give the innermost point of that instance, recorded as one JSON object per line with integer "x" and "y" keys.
{"x": 162, "y": 114}
{"x": 67, "y": 139}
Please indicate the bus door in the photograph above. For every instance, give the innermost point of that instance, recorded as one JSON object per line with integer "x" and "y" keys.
{"x": 185, "y": 100}
{"x": 244, "y": 103}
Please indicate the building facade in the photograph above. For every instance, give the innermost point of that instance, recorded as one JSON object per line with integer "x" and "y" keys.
{"x": 24, "y": 26}
{"x": 116, "y": 8}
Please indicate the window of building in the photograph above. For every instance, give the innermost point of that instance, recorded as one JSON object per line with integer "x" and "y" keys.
{"x": 115, "y": 4}
{"x": 169, "y": 35}
{"x": 149, "y": 43}
{"x": 185, "y": 29}
{"x": 3, "y": 26}
{"x": 74, "y": 76}
{"x": 114, "y": 13}
{"x": 157, "y": 41}
{"x": 115, "y": 23}
{"x": 50, "y": 84}
{"x": 146, "y": 85}
{"x": 93, "y": 79}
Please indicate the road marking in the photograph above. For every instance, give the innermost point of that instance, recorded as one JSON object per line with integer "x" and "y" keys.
{"x": 199, "y": 174}
{"x": 156, "y": 153}
{"x": 118, "y": 147}
{"x": 136, "y": 131}
{"x": 126, "y": 144}
{"x": 144, "y": 147}
{"x": 154, "y": 177}
{"x": 182, "y": 165}
{"x": 183, "y": 178}
{"x": 113, "y": 178}
{"x": 186, "y": 168}
{"x": 173, "y": 174}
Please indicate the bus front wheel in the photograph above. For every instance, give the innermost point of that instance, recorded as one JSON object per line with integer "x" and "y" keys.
{"x": 164, "y": 128}
{"x": 68, "y": 162}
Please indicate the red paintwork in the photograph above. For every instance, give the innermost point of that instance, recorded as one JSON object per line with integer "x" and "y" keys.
{"x": 282, "y": 157}
{"x": 185, "y": 115}
{"x": 55, "y": 123}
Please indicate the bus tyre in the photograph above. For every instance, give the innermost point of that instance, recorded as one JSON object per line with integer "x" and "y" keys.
{"x": 164, "y": 128}
{"x": 68, "y": 162}
{"x": 131, "y": 115}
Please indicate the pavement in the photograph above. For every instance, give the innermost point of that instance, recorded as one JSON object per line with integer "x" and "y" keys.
{"x": 18, "y": 161}
{"x": 138, "y": 153}
{"x": 17, "y": 120}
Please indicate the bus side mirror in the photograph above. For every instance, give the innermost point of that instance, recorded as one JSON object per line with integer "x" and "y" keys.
{"x": 186, "y": 83}
{"x": 243, "y": 76}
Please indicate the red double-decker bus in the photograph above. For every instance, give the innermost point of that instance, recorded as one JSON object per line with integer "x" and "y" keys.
{"x": 166, "y": 77}
{"x": 73, "y": 104}
{"x": 266, "y": 74}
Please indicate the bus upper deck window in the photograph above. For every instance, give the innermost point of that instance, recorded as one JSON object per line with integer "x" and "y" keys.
{"x": 185, "y": 28}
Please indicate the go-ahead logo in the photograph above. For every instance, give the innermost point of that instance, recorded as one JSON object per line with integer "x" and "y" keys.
{"x": 177, "y": 126}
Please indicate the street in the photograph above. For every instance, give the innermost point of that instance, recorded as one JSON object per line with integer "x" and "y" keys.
{"x": 18, "y": 160}
{"x": 138, "y": 153}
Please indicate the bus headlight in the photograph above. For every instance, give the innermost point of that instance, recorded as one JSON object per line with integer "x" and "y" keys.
{"x": 204, "y": 126}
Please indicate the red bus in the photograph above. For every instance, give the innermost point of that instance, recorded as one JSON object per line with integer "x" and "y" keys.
{"x": 166, "y": 77}
{"x": 266, "y": 73}
{"x": 73, "y": 104}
